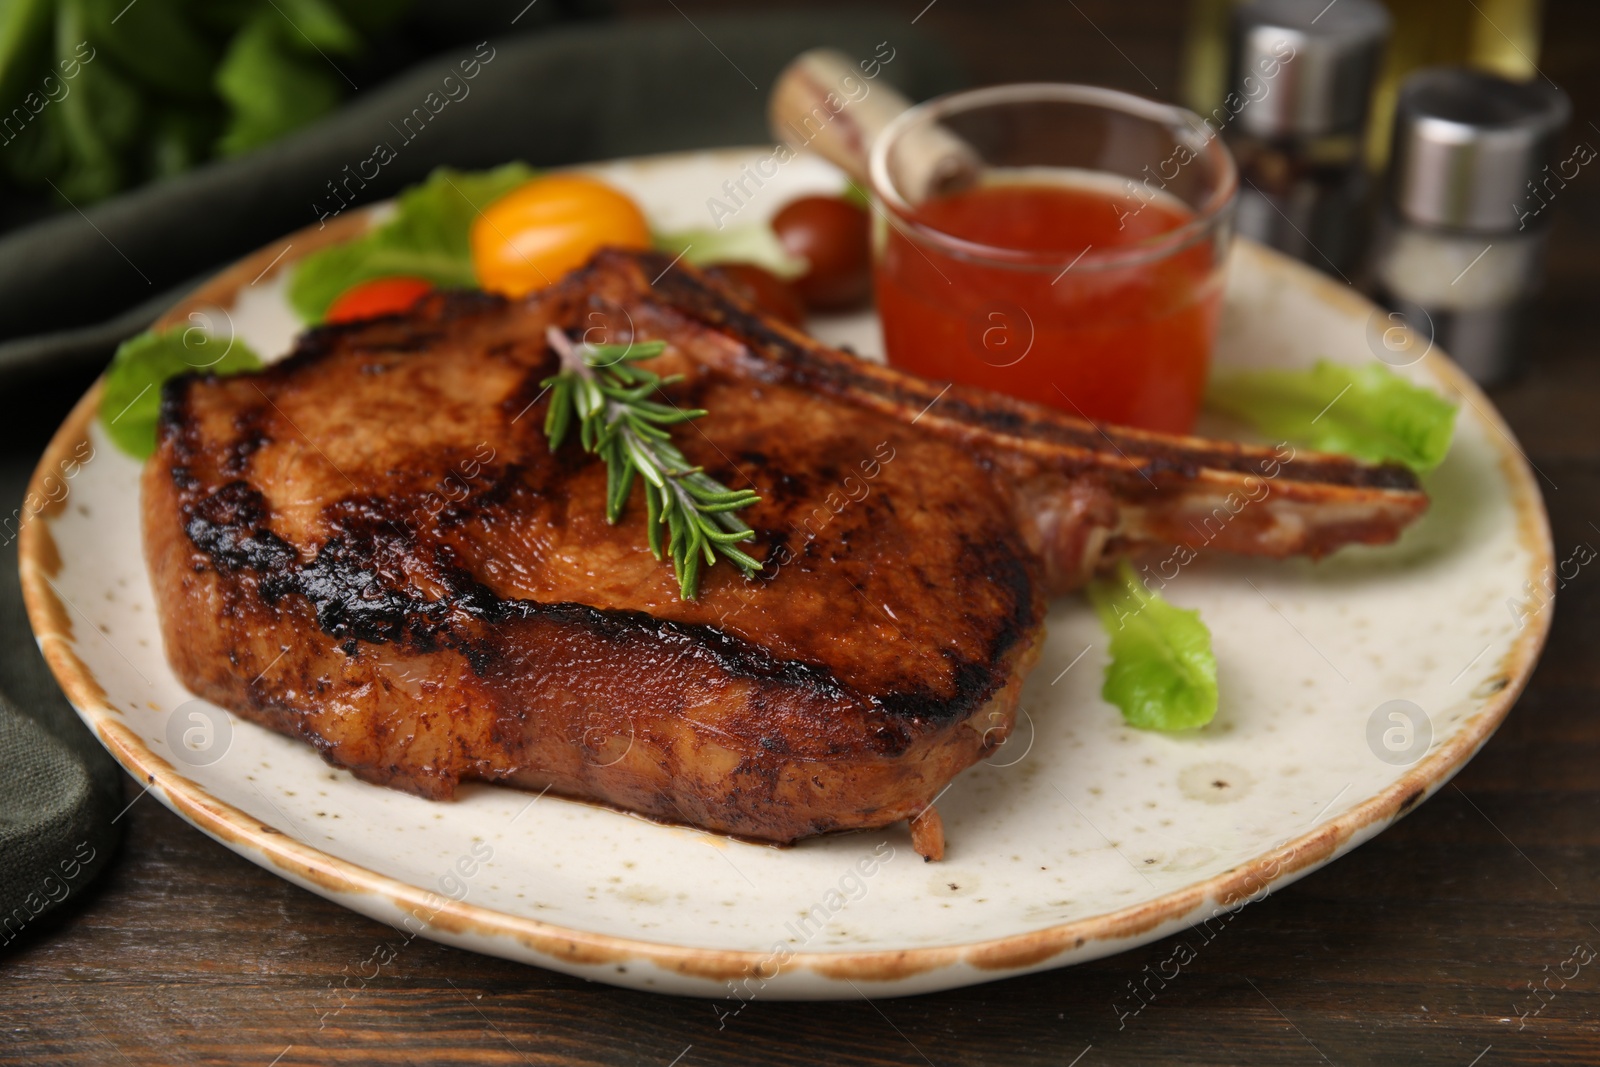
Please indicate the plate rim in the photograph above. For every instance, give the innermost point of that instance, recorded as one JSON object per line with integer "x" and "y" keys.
{"x": 370, "y": 892}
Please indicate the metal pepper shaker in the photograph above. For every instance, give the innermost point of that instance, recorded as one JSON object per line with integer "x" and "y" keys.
{"x": 1461, "y": 244}
{"x": 1296, "y": 116}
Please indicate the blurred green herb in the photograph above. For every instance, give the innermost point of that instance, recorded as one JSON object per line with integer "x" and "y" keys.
{"x": 1365, "y": 411}
{"x": 1162, "y": 674}
{"x": 857, "y": 194}
{"x": 130, "y": 399}
{"x": 270, "y": 89}
{"x": 752, "y": 243}
{"x": 99, "y": 95}
{"x": 601, "y": 390}
{"x": 427, "y": 237}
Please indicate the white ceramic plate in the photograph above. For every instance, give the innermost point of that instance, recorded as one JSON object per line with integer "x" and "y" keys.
{"x": 1081, "y": 838}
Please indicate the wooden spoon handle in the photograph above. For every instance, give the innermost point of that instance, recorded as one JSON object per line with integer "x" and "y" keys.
{"x": 824, "y": 102}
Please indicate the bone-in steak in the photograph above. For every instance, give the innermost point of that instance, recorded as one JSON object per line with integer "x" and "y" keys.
{"x": 371, "y": 546}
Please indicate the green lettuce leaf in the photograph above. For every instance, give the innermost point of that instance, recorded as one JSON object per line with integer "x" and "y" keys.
{"x": 755, "y": 243}
{"x": 1366, "y": 411}
{"x": 1163, "y": 674}
{"x": 428, "y": 237}
{"x": 130, "y": 400}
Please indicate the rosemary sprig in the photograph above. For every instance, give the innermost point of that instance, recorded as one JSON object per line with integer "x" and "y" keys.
{"x": 601, "y": 388}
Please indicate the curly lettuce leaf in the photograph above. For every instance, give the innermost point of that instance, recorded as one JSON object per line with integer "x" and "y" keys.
{"x": 753, "y": 243}
{"x": 130, "y": 400}
{"x": 1366, "y": 411}
{"x": 1162, "y": 674}
{"x": 428, "y": 237}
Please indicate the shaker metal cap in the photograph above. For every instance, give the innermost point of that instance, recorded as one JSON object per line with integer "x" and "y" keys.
{"x": 1466, "y": 145}
{"x": 1305, "y": 68}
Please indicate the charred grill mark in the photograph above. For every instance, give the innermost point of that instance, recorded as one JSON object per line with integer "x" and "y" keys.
{"x": 451, "y": 305}
{"x": 491, "y": 490}
{"x": 402, "y": 333}
{"x": 249, "y": 438}
{"x": 411, "y": 341}
{"x": 1020, "y": 608}
{"x": 228, "y": 526}
{"x": 316, "y": 344}
{"x": 785, "y": 488}
{"x": 173, "y": 411}
{"x": 347, "y": 587}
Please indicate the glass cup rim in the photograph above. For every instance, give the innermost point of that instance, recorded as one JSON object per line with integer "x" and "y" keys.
{"x": 1207, "y": 216}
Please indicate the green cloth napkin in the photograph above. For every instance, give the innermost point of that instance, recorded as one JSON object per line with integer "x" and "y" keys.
{"x": 60, "y": 790}
{"x": 77, "y": 284}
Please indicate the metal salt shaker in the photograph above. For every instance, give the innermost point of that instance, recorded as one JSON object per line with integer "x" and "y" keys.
{"x": 1461, "y": 245}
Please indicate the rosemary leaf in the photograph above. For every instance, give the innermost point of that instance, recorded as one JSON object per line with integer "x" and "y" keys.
{"x": 609, "y": 397}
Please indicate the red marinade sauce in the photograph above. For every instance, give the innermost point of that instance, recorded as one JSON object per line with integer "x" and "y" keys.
{"x": 1125, "y": 342}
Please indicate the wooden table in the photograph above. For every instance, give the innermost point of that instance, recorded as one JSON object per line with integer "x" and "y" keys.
{"x": 1420, "y": 947}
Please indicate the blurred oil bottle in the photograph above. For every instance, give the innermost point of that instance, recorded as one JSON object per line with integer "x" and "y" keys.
{"x": 1295, "y": 116}
{"x": 1496, "y": 36}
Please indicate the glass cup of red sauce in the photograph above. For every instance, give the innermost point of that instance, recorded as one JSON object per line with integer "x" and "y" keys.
{"x": 1060, "y": 243}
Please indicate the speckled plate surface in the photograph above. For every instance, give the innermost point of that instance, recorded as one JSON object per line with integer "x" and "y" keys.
{"x": 1351, "y": 689}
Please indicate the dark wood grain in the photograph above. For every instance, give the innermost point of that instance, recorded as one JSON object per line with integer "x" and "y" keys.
{"x": 1419, "y": 947}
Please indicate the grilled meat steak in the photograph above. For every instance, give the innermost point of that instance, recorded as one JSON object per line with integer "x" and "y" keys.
{"x": 371, "y": 546}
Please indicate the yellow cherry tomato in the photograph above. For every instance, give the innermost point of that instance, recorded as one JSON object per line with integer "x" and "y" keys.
{"x": 538, "y": 232}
